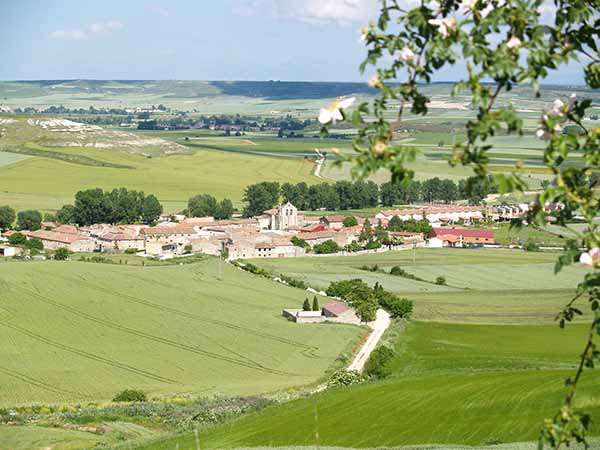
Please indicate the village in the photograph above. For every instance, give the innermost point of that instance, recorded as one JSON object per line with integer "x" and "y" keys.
{"x": 281, "y": 232}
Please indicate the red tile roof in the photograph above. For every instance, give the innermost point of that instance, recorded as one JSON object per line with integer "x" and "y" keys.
{"x": 464, "y": 232}
{"x": 336, "y": 308}
{"x": 65, "y": 238}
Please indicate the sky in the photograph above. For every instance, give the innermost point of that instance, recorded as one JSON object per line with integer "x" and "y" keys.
{"x": 308, "y": 40}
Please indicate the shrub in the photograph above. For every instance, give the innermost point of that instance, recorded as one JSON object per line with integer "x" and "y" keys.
{"x": 293, "y": 281}
{"x": 130, "y": 395}
{"x": 398, "y": 271}
{"x": 372, "y": 268}
{"x": 366, "y": 308}
{"x": 327, "y": 247}
{"x": 399, "y": 308}
{"x": 376, "y": 366}
{"x": 34, "y": 244}
{"x": 344, "y": 287}
{"x": 531, "y": 246}
{"x": 350, "y": 221}
{"x": 353, "y": 247}
{"x": 131, "y": 251}
{"x": 61, "y": 254}
{"x": 17, "y": 239}
{"x": 343, "y": 378}
{"x": 372, "y": 245}
{"x": 298, "y": 242}
{"x": 188, "y": 248}
{"x": 441, "y": 280}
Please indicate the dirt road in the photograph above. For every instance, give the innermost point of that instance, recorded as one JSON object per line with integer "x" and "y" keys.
{"x": 379, "y": 325}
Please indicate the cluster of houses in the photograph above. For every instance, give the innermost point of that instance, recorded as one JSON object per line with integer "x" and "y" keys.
{"x": 269, "y": 235}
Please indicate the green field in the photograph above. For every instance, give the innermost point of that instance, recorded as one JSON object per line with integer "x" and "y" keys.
{"x": 484, "y": 286}
{"x": 47, "y": 183}
{"x": 450, "y": 384}
{"x": 82, "y": 332}
{"x": 223, "y": 166}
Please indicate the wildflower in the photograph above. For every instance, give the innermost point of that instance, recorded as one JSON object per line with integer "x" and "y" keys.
{"x": 333, "y": 111}
{"x": 591, "y": 258}
{"x": 445, "y": 26}
{"x": 406, "y": 54}
{"x": 513, "y": 42}
{"x": 375, "y": 81}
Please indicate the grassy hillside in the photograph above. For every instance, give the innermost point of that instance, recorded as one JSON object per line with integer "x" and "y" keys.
{"x": 73, "y": 331}
{"x": 48, "y": 183}
{"x": 483, "y": 286}
{"x": 450, "y": 384}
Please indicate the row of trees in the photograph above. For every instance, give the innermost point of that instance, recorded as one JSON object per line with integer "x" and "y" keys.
{"x": 91, "y": 206}
{"x": 116, "y": 206}
{"x": 206, "y": 205}
{"x": 343, "y": 195}
{"x": 26, "y": 220}
{"x": 365, "y": 300}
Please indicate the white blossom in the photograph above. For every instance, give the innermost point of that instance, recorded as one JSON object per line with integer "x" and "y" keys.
{"x": 333, "y": 111}
{"x": 513, "y": 42}
{"x": 445, "y": 26}
{"x": 364, "y": 31}
{"x": 468, "y": 5}
{"x": 406, "y": 54}
{"x": 375, "y": 81}
{"x": 487, "y": 10}
{"x": 591, "y": 258}
{"x": 572, "y": 100}
{"x": 555, "y": 109}
{"x": 379, "y": 148}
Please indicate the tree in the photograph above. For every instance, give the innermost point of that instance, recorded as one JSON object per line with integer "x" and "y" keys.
{"x": 367, "y": 232}
{"x": 376, "y": 366}
{"x": 151, "y": 209}
{"x": 350, "y": 221}
{"x": 17, "y": 239}
{"x": 61, "y": 254}
{"x": 65, "y": 214}
{"x": 260, "y": 197}
{"x": 390, "y": 193}
{"x": 29, "y": 220}
{"x": 380, "y": 233}
{"x": 329, "y": 246}
{"x": 367, "y": 309}
{"x": 502, "y": 44}
{"x": 315, "y": 304}
{"x": 7, "y": 217}
{"x": 395, "y": 224}
{"x": 91, "y": 206}
{"x": 306, "y": 305}
{"x": 202, "y": 205}
{"x": 224, "y": 209}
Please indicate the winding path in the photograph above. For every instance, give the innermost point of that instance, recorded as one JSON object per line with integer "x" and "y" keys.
{"x": 379, "y": 325}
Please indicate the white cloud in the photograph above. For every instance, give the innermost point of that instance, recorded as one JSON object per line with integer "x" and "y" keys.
{"x": 323, "y": 11}
{"x": 160, "y": 10}
{"x": 74, "y": 35}
{"x": 312, "y": 11}
{"x": 78, "y": 34}
{"x": 106, "y": 26}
